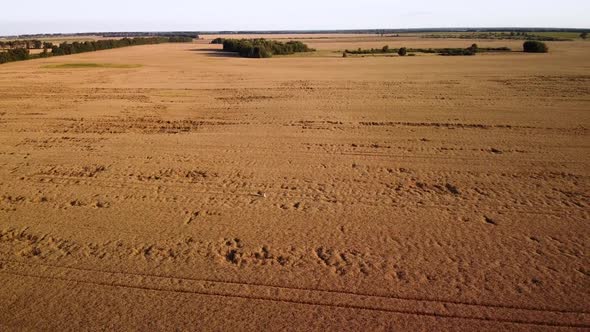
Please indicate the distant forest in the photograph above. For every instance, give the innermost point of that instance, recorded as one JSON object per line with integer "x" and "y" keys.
{"x": 196, "y": 34}
{"x": 189, "y": 34}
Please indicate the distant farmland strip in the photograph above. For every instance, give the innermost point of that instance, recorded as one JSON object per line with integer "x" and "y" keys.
{"x": 498, "y": 35}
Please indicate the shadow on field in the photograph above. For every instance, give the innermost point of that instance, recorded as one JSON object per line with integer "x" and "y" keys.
{"x": 214, "y": 52}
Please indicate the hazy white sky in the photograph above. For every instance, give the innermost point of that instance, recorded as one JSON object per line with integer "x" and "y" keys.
{"x": 38, "y": 16}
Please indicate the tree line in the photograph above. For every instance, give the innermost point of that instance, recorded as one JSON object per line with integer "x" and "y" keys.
{"x": 28, "y": 44}
{"x": 16, "y": 54}
{"x": 471, "y": 50}
{"x": 261, "y": 48}
{"x": 65, "y": 48}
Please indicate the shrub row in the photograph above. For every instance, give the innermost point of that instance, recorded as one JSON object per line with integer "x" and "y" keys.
{"x": 384, "y": 49}
{"x": 530, "y": 46}
{"x": 472, "y": 50}
{"x": 263, "y": 48}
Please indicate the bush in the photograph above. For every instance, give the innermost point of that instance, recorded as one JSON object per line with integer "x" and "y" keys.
{"x": 44, "y": 54}
{"x": 493, "y": 49}
{"x": 457, "y": 51}
{"x": 218, "y": 41}
{"x": 261, "y": 52}
{"x": 402, "y": 51}
{"x": 533, "y": 46}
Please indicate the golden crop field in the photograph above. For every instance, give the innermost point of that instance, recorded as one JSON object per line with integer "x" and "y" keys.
{"x": 378, "y": 193}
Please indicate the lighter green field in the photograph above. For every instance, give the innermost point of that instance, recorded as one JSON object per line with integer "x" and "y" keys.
{"x": 564, "y": 35}
{"x": 90, "y": 65}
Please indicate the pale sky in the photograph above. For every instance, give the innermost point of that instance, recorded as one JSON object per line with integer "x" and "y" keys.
{"x": 44, "y": 16}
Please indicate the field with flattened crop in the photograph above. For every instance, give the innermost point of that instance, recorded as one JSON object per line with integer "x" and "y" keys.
{"x": 174, "y": 186}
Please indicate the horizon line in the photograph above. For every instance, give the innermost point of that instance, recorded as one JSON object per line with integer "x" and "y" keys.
{"x": 316, "y": 31}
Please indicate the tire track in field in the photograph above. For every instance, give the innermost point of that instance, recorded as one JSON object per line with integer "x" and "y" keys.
{"x": 303, "y": 296}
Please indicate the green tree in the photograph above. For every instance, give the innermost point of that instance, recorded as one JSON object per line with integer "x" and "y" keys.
{"x": 533, "y": 46}
{"x": 402, "y": 51}
{"x": 44, "y": 54}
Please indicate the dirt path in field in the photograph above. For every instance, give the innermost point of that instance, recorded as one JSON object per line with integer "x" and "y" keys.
{"x": 203, "y": 192}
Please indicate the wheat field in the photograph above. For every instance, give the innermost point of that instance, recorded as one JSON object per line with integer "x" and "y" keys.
{"x": 174, "y": 187}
